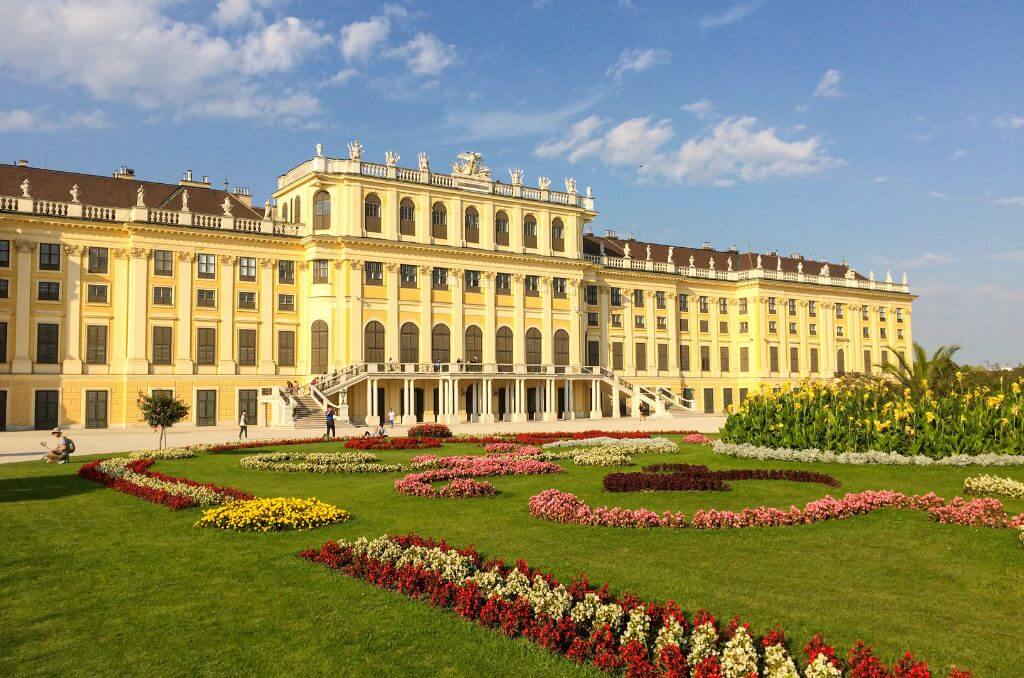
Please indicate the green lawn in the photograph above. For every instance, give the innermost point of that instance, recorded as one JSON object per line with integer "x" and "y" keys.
{"x": 97, "y": 582}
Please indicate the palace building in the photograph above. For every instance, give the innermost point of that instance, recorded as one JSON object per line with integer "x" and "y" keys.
{"x": 446, "y": 296}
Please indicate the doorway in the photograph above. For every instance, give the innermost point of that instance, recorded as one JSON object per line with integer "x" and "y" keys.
{"x": 46, "y": 410}
{"x": 247, "y": 399}
{"x": 501, "y": 404}
{"x": 3, "y": 410}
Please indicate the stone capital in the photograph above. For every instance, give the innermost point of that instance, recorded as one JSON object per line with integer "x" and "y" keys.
{"x": 267, "y": 263}
{"x": 228, "y": 259}
{"x": 391, "y": 266}
{"x": 356, "y": 264}
{"x": 187, "y": 257}
{"x": 74, "y": 250}
{"x": 139, "y": 253}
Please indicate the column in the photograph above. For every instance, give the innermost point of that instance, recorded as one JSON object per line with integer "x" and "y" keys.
{"x": 490, "y": 318}
{"x": 876, "y": 343}
{"x": 426, "y": 315}
{"x": 761, "y": 345}
{"x": 550, "y": 401}
{"x": 22, "y": 362}
{"x": 393, "y": 329}
{"x": 826, "y": 340}
{"x": 487, "y": 413}
{"x": 595, "y": 399}
{"x": 855, "y": 362}
{"x": 604, "y": 311}
{"x": 137, "y": 310}
{"x": 455, "y": 400}
{"x": 519, "y": 320}
{"x": 628, "y": 349}
{"x": 456, "y": 283}
{"x": 576, "y": 322}
{"x": 118, "y": 332}
{"x": 371, "y": 402}
{"x": 226, "y": 305}
{"x": 336, "y": 335}
{"x": 713, "y": 320}
{"x": 616, "y": 398}
{"x": 570, "y": 405}
{"x": 518, "y": 412}
{"x": 183, "y": 363}
{"x": 265, "y": 341}
{"x": 355, "y": 310}
{"x": 804, "y": 338}
{"x": 547, "y": 331}
{"x": 672, "y": 301}
{"x": 73, "y": 317}
{"x": 409, "y": 399}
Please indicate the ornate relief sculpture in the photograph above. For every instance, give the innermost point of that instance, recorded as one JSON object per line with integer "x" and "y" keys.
{"x": 471, "y": 165}
{"x": 391, "y": 158}
{"x": 544, "y": 183}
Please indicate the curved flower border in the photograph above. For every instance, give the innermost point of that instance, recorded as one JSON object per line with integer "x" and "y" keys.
{"x": 133, "y": 477}
{"x": 682, "y": 477}
{"x": 460, "y": 471}
{"x": 986, "y": 484}
{"x": 748, "y": 451}
{"x": 317, "y": 462}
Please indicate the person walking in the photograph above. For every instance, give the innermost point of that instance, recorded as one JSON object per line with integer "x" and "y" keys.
{"x": 62, "y": 448}
{"x": 391, "y": 417}
{"x": 329, "y": 417}
{"x": 243, "y": 425}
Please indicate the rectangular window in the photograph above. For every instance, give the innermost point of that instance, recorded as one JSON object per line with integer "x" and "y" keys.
{"x": 743, "y": 307}
{"x": 559, "y": 288}
{"x": 638, "y": 298}
{"x": 532, "y": 285}
{"x": 321, "y": 271}
{"x": 615, "y": 296}
{"x": 899, "y": 315}
{"x": 743, "y": 395}
{"x": 163, "y": 296}
{"x": 839, "y": 330}
{"x": 744, "y": 327}
{"x": 794, "y": 359}
{"x": 881, "y": 314}
{"x": 702, "y": 304}
{"x": 839, "y": 310}
{"x": 206, "y": 346}
{"x": 885, "y": 358}
{"x": 593, "y": 319}
{"x": 247, "y": 347}
{"x": 867, "y": 360}
{"x": 47, "y": 335}
{"x": 503, "y": 283}
{"x": 773, "y": 358}
{"x": 723, "y": 306}
{"x": 705, "y": 326}
{"x": 726, "y": 398}
{"x": 207, "y": 267}
{"x": 49, "y": 257}
{"x": 163, "y": 262}
{"x": 247, "y": 269}
{"x": 792, "y": 328}
{"x": 3, "y": 342}
{"x": 5, "y": 253}
{"x": 95, "y": 409}
{"x": 96, "y": 294}
{"x": 881, "y": 332}
{"x": 591, "y": 295}
{"x": 407, "y": 275}
{"x": 864, "y": 313}
{"x": 5, "y": 288}
{"x": 162, "y": 345}
{"x": 473, "y": 281}
{"x": 709, "y": 401}
{"x": 95, "y": 344}
{"x": 773, "y": 326}
{"x": 814, "y": 361}
{"x": 247, "y": 301}
{"x": 49, "y": 291}
{"x": 638, "y": 321}
{"x": 791, "y": 306}
{"x": 616, "y": 320}
{"x": 206, "y": 407}
{"x": 744, "y": 359}
{"x": 617, "y": 355}
{"x": 206, "y": 298}
{"x": 771, "y": 305}
{"x": 662, "y": 322}
{"x": 684, "y": 303}
{"x": 286, "y": 348}
{"x": 684, "y": 357}
{"x": 899, "y": 332}
{"x": 705, "y": 358}
{"x": 439, "y": 278}
{"x": 662, "y": 357}
{"x": 865, "y": 332}
{"x": 407, "y": 212}
{"x": 684, "y": 325}
{"x": 286, "y": 302}
{"x": 812, "y": 329}
{"x": 374, "y": 273}
{"x": 812, "y": 308}
{"x": 723, "y": 358}
{"x": 659, "y": 299}
{"x": 99, "y": 260}
{"x": 723, "y": 326}
{"x": 640, "y": 353}
{"x": 285, "y": 272}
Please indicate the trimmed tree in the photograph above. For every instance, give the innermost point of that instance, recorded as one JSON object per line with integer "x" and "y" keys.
{"x": 161, "y": 412}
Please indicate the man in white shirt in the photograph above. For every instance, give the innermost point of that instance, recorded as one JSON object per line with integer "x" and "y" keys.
{"x": 243, "y": 425}
{"x": 58, "y": 454}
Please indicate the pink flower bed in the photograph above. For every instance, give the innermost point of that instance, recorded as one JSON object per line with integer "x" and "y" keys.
{"x": 697, "y": 439}
{"x": 565, "y": 507}
{"x": 464, "y": 468}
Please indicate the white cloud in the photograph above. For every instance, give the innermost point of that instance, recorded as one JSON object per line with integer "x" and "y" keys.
{"x": 359, "y": 39}
{"x": 21, "y": 120}
{"x": 17, "y": 120}
{"x": 292, "y": 108}
{"x": 926, "y": 259}
{"x": 280, "y": 46}
{"x": 341, "y": 77}
{"x": 702, "y": 109}
{"x": 938, "y": 195}
{"x": 735, "y": 150}
{"x": 730, "y": 16}
{"x": 880, "y": 180}
{"x": 425, "y": 54}
{"x": 828, "y": 86}
{"x": 958, "y": 153}
{"x": 239, "y": 13}
{"x": 1009, "y": 121}
{"x": 501, "y": 124}
{"x": 637, "y": 60}
{"x": 1015, "y": 200}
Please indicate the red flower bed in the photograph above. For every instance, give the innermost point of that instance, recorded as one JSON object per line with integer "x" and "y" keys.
{"x": 92, "y": 471}
{"x": 586, "y": 623}
{"x": 682, "y": 477}
{"x": 430, "y": 431}
{"x": 461, "y": 469}
{"x": 391, "y": 443}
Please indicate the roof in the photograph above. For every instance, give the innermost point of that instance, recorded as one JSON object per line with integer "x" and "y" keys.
{"x": 94, "y": 189}
{"x": 741, "y": 261}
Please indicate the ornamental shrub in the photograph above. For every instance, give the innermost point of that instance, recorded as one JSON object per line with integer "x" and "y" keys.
{"x": 430, "y": 431}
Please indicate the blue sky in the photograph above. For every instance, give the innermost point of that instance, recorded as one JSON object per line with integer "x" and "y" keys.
{"x": 888, "y": 134}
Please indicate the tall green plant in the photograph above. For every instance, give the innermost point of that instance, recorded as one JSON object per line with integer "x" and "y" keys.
{"x": 924, "y": 372}
{"x": 161, "y": 412}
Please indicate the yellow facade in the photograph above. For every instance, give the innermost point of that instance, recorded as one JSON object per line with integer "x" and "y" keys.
{"x": 234, "y": 306}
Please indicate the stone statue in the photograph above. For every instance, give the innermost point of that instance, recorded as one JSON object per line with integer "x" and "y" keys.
{"x": 471, "y": 165}
{"x": 184, "y": 201}
{"x": 570, "y": 185}
{"x": 648, "y": 253}
{"x": 728, "y": 264}
{"x": 226, "y": 206}
{"x": 424, "y": 162}
{"x": 590, "y": 192}
{"x": 904, "y": 278}
{"x": 391, "y": 158}
{"x": 355, "y": 150}
{"x": 268, "y": 211}
{"x": 602, "y": 249}
{"x": 517, "y": 176}
{"x": 691, "y": 261}
{"x": 671, "y": 254}
{"x": 799, "y": 267}
{"x": 871, "y": 276}
{"x": 888, "y": 276}
{"x": 759, "y": 264}
{"x": 319, "y": 150}
{"x": 625, "y": 250}
{"x": 711, "y": 263}
{"x": 140, "y": 196}
{"x": 543, "y": 183}
{"x": 778, "y": 263}
{"x": 850, "y": 274}
{"x": 74, "y": 193}
{"x": 25, "y": 185}
{"x": 825, "y": 271}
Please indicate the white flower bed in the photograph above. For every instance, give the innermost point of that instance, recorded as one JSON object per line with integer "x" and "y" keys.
{"x": 317, "y": 462}
{"x": 748, "y": 451}
{"x": 987, "y": 484}
{"x": 203, "y": 496}
{"x": 624, "y": 445}
{"x": 168, "y": 453}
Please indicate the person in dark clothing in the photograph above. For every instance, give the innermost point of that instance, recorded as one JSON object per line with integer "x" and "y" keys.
{"x": 330, "y": 422}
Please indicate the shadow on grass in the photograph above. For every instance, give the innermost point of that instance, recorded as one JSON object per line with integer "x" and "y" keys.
{"x": 37, "y": 488}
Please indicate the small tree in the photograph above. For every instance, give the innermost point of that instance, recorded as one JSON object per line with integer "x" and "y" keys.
{"x": 161, "y": 412}
{"x": 923, "y": 372}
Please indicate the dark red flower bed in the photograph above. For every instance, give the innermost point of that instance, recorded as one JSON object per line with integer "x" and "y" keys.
{"x": 391, "y": 443}
{"x": 542, "y": 438}
{"x": 695, "y": 477}
{"x": 430, "y": 431}
{"x": 91, "y": 471}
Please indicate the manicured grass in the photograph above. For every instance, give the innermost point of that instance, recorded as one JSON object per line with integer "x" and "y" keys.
{"x": 93, "y": 581}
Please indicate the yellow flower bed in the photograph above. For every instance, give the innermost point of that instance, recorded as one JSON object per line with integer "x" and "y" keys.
{"x": 276, "y": 513}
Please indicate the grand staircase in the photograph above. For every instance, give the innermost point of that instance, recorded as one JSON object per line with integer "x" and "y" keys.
{"x": 308, "y": 413}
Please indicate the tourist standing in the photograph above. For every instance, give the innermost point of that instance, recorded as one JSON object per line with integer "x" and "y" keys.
{"x": 330, "y": 422}
{"x": 243, "y": 425}
{"x": 391, "y": 417}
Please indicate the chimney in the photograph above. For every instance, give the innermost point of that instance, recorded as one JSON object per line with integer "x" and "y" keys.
{"x": 243, "y": 194}
{"x": 188, "y": 180}
{"x": 706, "y": 245}
{"x": 610, "y": 233}
{"x": 22, "y": 163}
{"x": 124, "y": 172}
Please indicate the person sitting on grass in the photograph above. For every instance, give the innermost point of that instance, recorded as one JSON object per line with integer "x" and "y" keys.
{"x": 63, "y": 447}
{"x": 382, "y": 432}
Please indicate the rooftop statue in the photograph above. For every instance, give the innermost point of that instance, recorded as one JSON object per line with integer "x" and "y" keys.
{"x": 543, "y": 183}
{"x": 590, "y": 192}
{"x": 517, "y": 176}
{"x": 691, "y": 261}
{"x": 799, "y": 267}
{"x": 424, "y": 162}
{"x": 355, "y": 150}
{"x": 759, "y": 263}
{"x": 74, "y": 193}
{"x": 625, "y": 250}
{"x": 671, "y": 253}
{"x": 391, "y": 158}
{"x": 226, "y": 206}
{"x": 25, "y": 185}
{"x": 140, "y": 196}
{"x": 711, "y": 263}
{"x": 728, "y": 263}
{"x": 570, "y": 185}
{"x": 648, "y": 253}
{"x": 319, "y": 150}
{"x": 184, "y": 201}
{"x": 471, "y": 165}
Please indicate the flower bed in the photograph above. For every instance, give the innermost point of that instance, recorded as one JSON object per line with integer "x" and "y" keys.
{"x": 987, "y": 484}
{"x": 553, "y": 436}
{"x": 274, "y": 514}
{"x": 452, "y": 469}
{"x": 318, "y": 462}
{"x": 386, "y": 443}
{"x": 250, "y": 444}
{"x": 584, "y": 623}
{"x": 697, "y": 439}
{"x": 133, "y": 477}
{"x": 168, "y": 453}
{"x": 748, "y": 451}
{"x": 565, "y": 507}
{"x": 623, "y": 445}
{"x": 682, "y": 477}
{"x": 430, "y": 431}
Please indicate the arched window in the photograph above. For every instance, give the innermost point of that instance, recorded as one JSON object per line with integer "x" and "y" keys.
{"x": 529, "y": 231}
{"x": 840, "y": 362}
{"x": 284, "y": 211}
{"x": 474, "y": 344}
{"x": 373, "y": 342}
{"x": 409, "y": 343}
{"x": 371, "y": 213}
{"x": 296, "y": 207}
{"x": 472, "y": 225}
{"x": 557, "y": 236}
{"x": 439, "y": 220}
{"x": 501, "y": 229}
{"x": 440, "y": 344}
{"x": 407, "y": 217}
{"x": 561, "y": 347}
{"x": 318, "y": 342}
{"x": 533, "y": 349}
{"x": 321, "y": 211}
{"x": 503, "y": 349}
